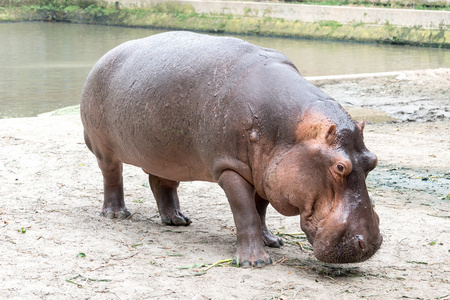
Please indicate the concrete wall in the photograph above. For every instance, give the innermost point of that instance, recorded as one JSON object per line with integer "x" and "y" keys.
{"x": 394, "y": 2}
{"x": 314, "y": 13}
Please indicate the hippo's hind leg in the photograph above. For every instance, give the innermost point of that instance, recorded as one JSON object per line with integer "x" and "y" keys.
{"x": 111, "y": 167}
{"x": 165, "y": 192}
{"x": 268, "y": 238}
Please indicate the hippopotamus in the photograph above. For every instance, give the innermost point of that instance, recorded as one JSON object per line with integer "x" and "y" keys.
{"x": 190, "y": 107}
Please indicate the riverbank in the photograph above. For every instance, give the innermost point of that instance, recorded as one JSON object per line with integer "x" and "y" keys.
{"x": 185, "y": 15}
{"x": 53, "y": 244}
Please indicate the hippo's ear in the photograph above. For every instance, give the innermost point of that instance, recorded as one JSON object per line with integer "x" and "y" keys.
{"x": 361, "y": 126}
{"x": 330, "y": 134}
{"x": 316, "y": 126}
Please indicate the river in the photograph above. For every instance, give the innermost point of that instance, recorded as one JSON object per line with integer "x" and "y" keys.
{"x": 43, "y": 66}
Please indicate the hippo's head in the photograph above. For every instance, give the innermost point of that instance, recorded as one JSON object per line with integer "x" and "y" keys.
{"x": 322, "y": 177}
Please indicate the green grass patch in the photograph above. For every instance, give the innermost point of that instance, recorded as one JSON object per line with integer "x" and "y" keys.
{"x": 332, "y": 24}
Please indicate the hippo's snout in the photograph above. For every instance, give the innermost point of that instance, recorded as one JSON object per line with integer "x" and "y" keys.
{"x": 352, "y": 251}
{"x": 346, "y": 248}
{"x": 342, "y": 238}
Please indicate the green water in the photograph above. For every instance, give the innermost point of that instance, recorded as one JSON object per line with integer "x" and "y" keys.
{"x": 43, "y": 66}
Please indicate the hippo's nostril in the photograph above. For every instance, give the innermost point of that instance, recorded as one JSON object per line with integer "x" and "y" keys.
{"x": 361, "y": 244}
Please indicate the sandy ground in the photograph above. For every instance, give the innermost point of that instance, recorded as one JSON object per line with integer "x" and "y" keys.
{"x": 53, "y": 244}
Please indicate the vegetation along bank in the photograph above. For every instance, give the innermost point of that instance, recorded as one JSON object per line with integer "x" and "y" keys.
{"x": 184, "y": 16}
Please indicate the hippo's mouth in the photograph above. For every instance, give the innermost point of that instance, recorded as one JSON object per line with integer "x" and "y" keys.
{"x": 343, "y": 235}
{"x": 338, "y": 242}
{"x": 348, "y": 250}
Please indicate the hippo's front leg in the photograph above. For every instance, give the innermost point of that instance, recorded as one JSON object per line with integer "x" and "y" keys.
{"x": 240, "y": 194}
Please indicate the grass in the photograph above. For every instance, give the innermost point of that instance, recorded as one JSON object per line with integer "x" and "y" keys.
{"x": 294, "y": 238}
{"x": 201, "y": 269}
{"x": 332, "y": 24}
{"x": 84, "y": 280}
{"x": 139, "y": 200}
{"x": 358, "y": 24}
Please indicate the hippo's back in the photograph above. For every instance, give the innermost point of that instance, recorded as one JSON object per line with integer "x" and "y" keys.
{"x": 172, "y": 68}
{"x": 168, "y": 97}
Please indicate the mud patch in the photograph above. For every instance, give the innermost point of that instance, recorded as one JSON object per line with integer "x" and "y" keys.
{"x": 371, "y": 115}
{"x": 406, "y": 179}
{"x": 413, "y": 96}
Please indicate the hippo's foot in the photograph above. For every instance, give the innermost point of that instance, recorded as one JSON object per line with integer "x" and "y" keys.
{"x": 248, "y": 259}
{"x": 111, "y": 213}
{"x": 271, "y": 240}
{"x": 120, "y": 214}
{"x": 175, "y": 218}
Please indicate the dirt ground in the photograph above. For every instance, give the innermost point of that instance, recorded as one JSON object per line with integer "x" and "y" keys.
{"x": 54, "y": 245}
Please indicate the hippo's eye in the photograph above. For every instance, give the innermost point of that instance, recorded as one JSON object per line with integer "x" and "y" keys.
{"x": 341, "y": 168}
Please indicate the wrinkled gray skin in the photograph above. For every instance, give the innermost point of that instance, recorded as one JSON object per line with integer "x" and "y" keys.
{"x": 184, "y": 106}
